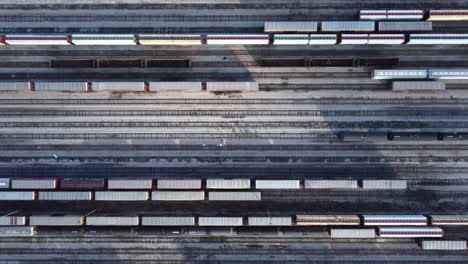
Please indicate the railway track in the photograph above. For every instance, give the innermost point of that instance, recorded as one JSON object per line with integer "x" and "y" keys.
{"x": 319, "y": 101}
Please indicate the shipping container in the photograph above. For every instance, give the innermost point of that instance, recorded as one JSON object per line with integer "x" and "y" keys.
{"x": 60, "y": 86}
{"x": 82, "y": 184}
{"x": 373, "y": 14}
{"x": 232, "y": 86}
{"x": 179, "y": 184}
{"x": 65, "y": 196}
{"x": 426, "y": 231}
{"x": 290, "y": 39}
{"x": 234, "y": 196}
{"x": 443, "y": 244}
{"x": 405, "y": 14}
{"x": 405, "y": 26}
{"x": 352, "y": 233}
{"x": 354, "y": 39}
{"x": 277, "y": 184}
{"x": 219, "y": 221}
{"x": 12, "y": 220}
{"x": 103, "y": 39}
{"x": 291, "y": 26}
{"x": 436, "y": 39}
{"x": 175, "y": 86}
{"x": 451, "y": 73}
{"x": 331, "y": 184}
{"x": 4, "y": 183}
{"x": 56, "y": 220}
{"x": 112, "y": 220}
{"x": 127, "y": 184}
{"x": 322, "y": 39}
{"x": 178, "y": 196}
{"x": 418, "y": 86}
{"x": 326, "y": 220}
{"x": 394, "y": 220}
{"x": 16, "y": 196}
{"x": 16, "y": 231}
{"x": 37, "y": 40}
{"x": 121, "y": 196}
{"x": 384, "y": 184}
{"x": 14, "y": 86}
{"x": 118, "y": 86}
{"x": 399, "y": 74}
{"x": 33, "y": 183}
{"x": 448, "y": 15}
{"x": 386, "y": 39}
{"x": 270, "y": 221}
{"x": 337, "y": 26}
{"x": 170, "y": 39}
{"x": 237, "y": 39}
{"x": 228, "y": 184}
{"x": 449, "y": 219}
{"x": 167, "y": 221}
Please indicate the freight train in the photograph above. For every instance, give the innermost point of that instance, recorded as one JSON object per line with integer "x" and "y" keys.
{"x": 401, "y": 136}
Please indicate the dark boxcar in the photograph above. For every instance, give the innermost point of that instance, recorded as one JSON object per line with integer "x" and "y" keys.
{"x": 83, "y": 184}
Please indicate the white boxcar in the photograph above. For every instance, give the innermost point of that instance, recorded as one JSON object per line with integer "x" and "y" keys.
{"x": 118, "y": 86}
{"x": 12, "y": 220}
{"x": 415, "y": 86}
{"x": 169, "y": 39}
{"x": 433, "y": 39}
{"x": 237, "y": 39}
{"x": 373, "y": 14}
{"x": 443, "y": 244}
{"x": 60, "y": 86}
{"x": 228, "y": 183}
{"x": 386, "y": 39}
{"x": 449, "y": 219}
{"x": 405, "y": 26}
{"x": 4, "y": 183}
{"x": 352, "y": 233}
{"x": 277, "y": 184}
{"x": 14, "y": 86}
{"x": 175, "y": 86}
{"x": 270, "y": 221}
{"x": 405, "y": 14}
{"x": 112, "y": 220}
{"x": 326, "y": 220}
{"x": 355, "y": 39}
{"x": 50, "y": 220}
{"x": 322, "y": 39}
{"x": 179, "y": 184}
{"x": 16, "y": 196}
{"x": 103, "y": 39}
{"x": 178, "y": 196}
{"x": 130, "y": 184}
{"x": 33, "y": 183}
{"x": 65, "y": 196}
{"x": 453, "y": 73}
{"x": 232, "y": 86}
{"x": 290, "y": 39}
{"x": 426, "y": 231}
{"x": 394, "y": 220}
{"x": 384, "y": 184}
{"x": 37, "y": 40}
{"x": 337, "y": 26}
{"x": 16, "y": 231}
{"x": 448, "y": 15}
{"x": 167, "y": 220}
{"x": 234, "y": 196}
{"x": 399, "y": 74}
{"x": 331, "y": 184}
{"x": 121, "y": 196}
{"x": 291, "y": 26}
{"x": 219, "y": 221}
